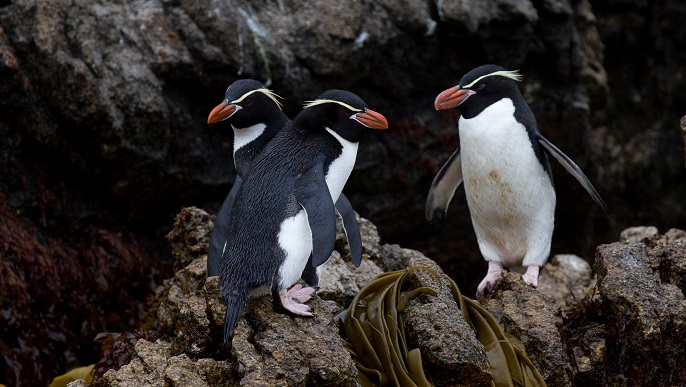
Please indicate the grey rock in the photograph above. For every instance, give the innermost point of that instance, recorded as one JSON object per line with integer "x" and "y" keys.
{"x": 191, "y": 234}
{"x": 566, "y": 277}
{"x": 527, "y": 314}
{"x": 273, "y": 348}
{"x": 184, "y": 308}
{"x": 340, "y": 280}
{"x": 105, "y": 104}
{"x": 436, "y": 326}
{"x": 645, "y": 309}
{"x": 636, "y": 234}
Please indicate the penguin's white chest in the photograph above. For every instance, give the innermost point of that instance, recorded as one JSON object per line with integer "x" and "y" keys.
{"x": 510, "y": 196}
{"x": 340, "y": 169}
{"x": 295, "y": 239}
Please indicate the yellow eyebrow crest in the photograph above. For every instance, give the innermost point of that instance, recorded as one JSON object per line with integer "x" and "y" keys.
{"x": 323, "y": 101}
{"x": 514, "y": 75}
{"x": 270, "y": 94}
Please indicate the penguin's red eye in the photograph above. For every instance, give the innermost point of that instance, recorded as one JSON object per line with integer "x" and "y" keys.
{"x": 481, "y": 86}
{"x": 247, "y": 102}
{"x": 342, "y": 113}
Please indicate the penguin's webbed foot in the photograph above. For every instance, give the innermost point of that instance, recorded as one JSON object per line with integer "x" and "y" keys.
{"x": 292, "y": 300}
{"x": 302, "y": 293}
{"x": 495, "y": 273}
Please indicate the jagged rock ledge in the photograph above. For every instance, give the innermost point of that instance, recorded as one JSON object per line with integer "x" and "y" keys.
{"x": 577, "y": 330}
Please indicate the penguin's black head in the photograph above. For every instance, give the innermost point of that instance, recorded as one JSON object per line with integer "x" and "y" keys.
{"x": 343, "y": 112}
{"x": 480, "y": 88}
{"x": 246, "y": 102}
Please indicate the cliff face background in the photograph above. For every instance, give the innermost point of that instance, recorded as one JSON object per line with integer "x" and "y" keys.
{"x": 103, "y": 134}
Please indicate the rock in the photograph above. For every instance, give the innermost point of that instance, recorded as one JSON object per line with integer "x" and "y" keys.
{"x": 340, "y": 280}
{"x": 105, "y": 104}
{"x": 154, "y": 365}
{"x": 527, "y": 314}
{"x": 191, "y": 308}
{"x": 273, "y": 348}
{"x": 436, "y": 326}
{"x": 636, "y": 234}
{"x": 190, "y": 236}
{"x": 641, "y": 288}
{"x": 267, "y": 347}
{"x": 566, "y": 277}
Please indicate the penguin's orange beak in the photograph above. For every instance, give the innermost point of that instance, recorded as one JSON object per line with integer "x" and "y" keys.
{"x": 371, "y": 119}
{"x": 451, "y": 98}
{"x": 223, "y": 111}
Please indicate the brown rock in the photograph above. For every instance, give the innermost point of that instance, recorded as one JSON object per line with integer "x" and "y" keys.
{"x": 436, "y": 326}
{"x": 646, "y": 312}
{"x": 525, "y": 313}
{"x": 274, "y": 348}
{"x": 190, "y": 236}
{"x": 184, "y": 309}
{"x": 566, "y": 277}
{"x": 340, "y": 280}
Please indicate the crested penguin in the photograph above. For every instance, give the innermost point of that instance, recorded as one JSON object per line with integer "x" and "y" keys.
{"x": 255, "y": 115}
{"x": 283, "y": 211}
{"x": 503, "y": 162}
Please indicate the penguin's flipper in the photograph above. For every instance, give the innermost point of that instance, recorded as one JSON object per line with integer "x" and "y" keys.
{"x": 221, "y": 231}
{"x": 442, "y": 190}
{"x": 309, "y": 274}
{"x": 573, "y": 169}
{"x": 351, "y": 228}
{"x": 313, "y": 195}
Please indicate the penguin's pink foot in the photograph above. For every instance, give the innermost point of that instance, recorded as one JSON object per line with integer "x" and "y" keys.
{"x": 302, "y": 293}
{"x": 292, "y": 300}
{"x": 495, "y": 273}
{"x": 531, "y": 275}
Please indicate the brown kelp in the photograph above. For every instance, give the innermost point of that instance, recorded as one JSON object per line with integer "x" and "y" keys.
{"x": 376, "y": 337}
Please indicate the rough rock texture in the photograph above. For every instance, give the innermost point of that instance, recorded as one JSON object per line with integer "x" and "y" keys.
{"x": 566, "y": 277}
{"x": 191, "y": 235}
{"x": 103, "y": 109}
{"x": 276, "y": 348}
{"x": 575, "y": 332}
{"x": 646, "y": 310}
{"x": 435, "y": 325}
{"x": 267, "y": 348}
{"x": 530, "y": 316}
{"x": 637, "y": 234}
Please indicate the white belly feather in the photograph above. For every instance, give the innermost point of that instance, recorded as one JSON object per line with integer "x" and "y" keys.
{"x": 295, "y": 235}
{"x": 295, "y": 238}
{"x": 510, "y": 196}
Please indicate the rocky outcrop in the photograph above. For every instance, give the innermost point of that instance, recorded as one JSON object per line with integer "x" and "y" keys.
{"x": 642, "y": 287}
{"x": 576, "y": 333}
{"x": 104, "y": 107}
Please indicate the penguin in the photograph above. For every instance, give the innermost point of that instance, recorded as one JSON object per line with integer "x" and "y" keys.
{"x": 255, "y": 115}
{"x": 503, "y": 162}
{"x": 284, "y": 208}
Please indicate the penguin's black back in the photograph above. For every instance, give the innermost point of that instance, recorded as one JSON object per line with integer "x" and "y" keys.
{"x": 265, "y": 198}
